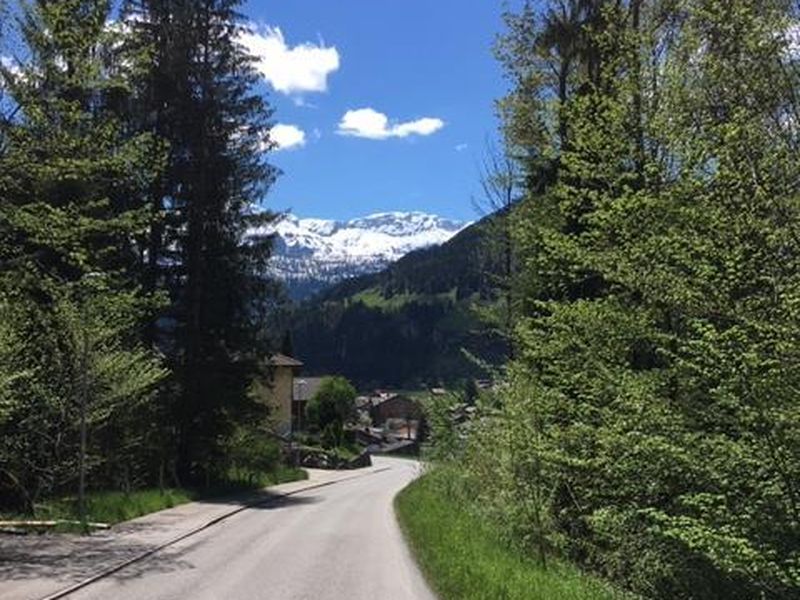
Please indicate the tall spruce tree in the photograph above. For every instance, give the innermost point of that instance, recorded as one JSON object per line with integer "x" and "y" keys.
{"x": 200, "y": 96}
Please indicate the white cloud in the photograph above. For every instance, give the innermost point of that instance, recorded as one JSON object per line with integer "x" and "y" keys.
{"x": 374, "y": 125}
{"x": 287, "y": 136}
{"x": 291, "y": 70}
{"x": 461, "y": 147}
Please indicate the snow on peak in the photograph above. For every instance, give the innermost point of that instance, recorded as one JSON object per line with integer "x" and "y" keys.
{"x": 311, "y": 254}
{"x": 403, "y": 224}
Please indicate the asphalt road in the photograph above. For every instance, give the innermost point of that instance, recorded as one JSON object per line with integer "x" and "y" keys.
{"x": 336, "y": 542}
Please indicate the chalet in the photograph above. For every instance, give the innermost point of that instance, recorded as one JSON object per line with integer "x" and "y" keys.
{"x": 393, "y": 406}
{"x": 279, "y": 394}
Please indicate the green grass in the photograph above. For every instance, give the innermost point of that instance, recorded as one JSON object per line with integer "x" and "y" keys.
{"x": 243, "y": 479}
{"x": 374, "y": 298}
{"x": 464, "y": 559}
{"x": 114, "y": 507}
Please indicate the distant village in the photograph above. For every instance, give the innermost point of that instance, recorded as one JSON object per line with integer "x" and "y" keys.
{"x": 380, "y": 421}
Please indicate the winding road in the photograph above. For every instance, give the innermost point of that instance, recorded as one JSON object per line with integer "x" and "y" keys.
{"x": 337, "y": 541}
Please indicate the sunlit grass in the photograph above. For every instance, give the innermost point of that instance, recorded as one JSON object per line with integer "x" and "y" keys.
{"x": 112, "y": 507}
{"x": 464, "y": 559}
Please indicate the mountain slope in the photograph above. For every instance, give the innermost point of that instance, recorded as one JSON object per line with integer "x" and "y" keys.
{"x": 408, "y": 324}
{"x": 312, "y": 254}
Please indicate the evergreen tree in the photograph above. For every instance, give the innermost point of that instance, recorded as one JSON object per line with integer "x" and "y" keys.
{"x": 200, "y": 97}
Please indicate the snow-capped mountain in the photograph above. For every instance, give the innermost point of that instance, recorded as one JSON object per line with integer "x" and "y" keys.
{"x": 312, "y": 254}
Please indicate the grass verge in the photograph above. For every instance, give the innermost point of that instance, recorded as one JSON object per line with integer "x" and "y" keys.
{"x": 464, "y": 559}
{"x": 114, "y": 507}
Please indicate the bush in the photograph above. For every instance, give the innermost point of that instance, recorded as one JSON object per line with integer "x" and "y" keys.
{"x": 331, "y": 435}
{"x": 252, "y": 451}
{"x": 333, "y": 403}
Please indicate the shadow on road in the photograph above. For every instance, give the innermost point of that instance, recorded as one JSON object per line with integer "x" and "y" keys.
{"x": 62, "y": 559}
{"x": 261, "y": 499}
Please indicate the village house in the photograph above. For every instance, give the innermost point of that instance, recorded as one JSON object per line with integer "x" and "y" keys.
{"x": 393, "y": 406}
{"x": 279, "y": 391}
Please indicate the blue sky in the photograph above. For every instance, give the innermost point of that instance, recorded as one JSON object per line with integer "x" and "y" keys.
{"x": 426, "y": 66}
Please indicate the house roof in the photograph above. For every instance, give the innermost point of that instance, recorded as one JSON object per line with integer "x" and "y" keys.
{"x": 281, "y": 360}
{"x": 378, "y": 400}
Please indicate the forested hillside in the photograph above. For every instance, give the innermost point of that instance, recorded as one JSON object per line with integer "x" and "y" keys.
{"x": 131, "y": 304}
{"x": 410, "y": 324}
{"x": 649, "y": 425}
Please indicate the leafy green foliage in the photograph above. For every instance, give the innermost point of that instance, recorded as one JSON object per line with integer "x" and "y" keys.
{"x": 648, "y": 427}
{"x": 69, "y": 170}
{"x": 252, "y": 452}
{"x": 331, "y": 407}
